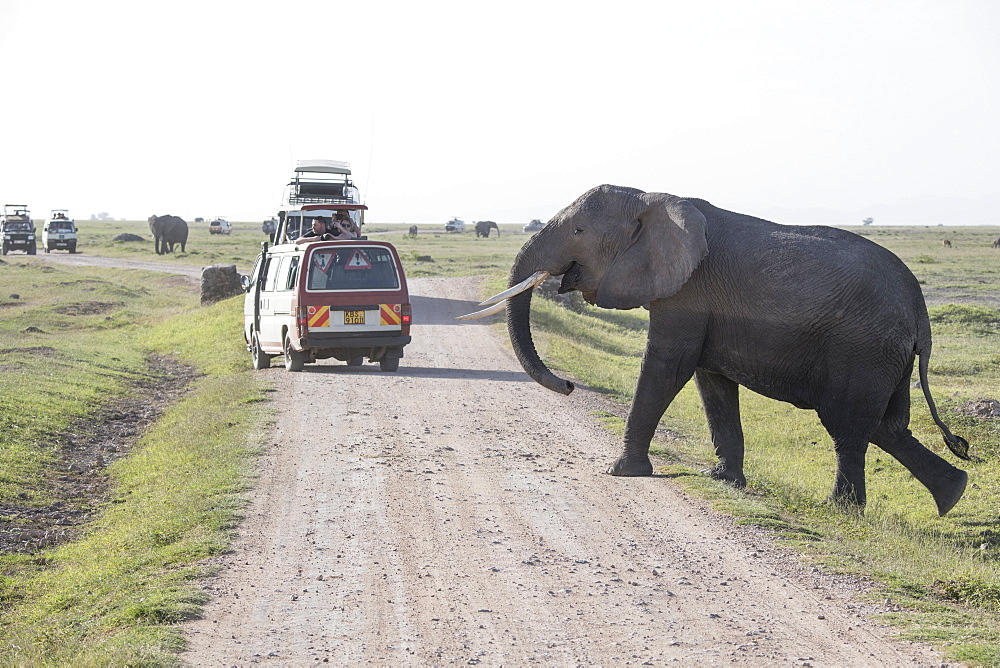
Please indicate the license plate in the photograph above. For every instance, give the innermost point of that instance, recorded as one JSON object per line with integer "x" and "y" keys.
{"x": 354, "y": 317}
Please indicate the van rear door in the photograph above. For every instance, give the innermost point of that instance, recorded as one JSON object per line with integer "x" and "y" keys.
{"x": 353, "y": 289}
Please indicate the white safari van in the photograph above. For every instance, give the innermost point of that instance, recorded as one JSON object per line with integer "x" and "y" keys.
{"x": 59, "y": 232}
{"x": 346, "y": 300}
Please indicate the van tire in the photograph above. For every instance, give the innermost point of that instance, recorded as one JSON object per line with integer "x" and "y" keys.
{"x": 261, "y": 360}
{"x": 356, "y": 361}
{"x": 294, "y": 361}
{"x": 389, "y": 361}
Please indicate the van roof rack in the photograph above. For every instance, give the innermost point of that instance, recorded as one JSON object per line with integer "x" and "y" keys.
{"x": 321, "y": 182}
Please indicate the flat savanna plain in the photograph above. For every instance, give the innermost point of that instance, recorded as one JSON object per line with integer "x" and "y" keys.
{"x": 112, "y": 572}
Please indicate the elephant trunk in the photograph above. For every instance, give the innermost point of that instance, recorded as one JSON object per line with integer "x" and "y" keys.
{"x": 519, "y": 328}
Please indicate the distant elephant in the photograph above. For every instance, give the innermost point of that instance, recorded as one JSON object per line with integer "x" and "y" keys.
{"x": 996, "y": 244}
{"x": 168, "y": 231}
{"x": 814, "y": 316}
{"x": 413, "y": 230}
{"x": 483, "y": 228}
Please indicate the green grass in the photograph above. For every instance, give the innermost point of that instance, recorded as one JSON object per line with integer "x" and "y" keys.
{"x": 433, "y": 252}
{"x": 112, "y": 595}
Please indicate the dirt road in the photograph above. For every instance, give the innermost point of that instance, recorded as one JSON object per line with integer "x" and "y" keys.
{"x": 81, "y": 260}
{"x": 456, "y": 512}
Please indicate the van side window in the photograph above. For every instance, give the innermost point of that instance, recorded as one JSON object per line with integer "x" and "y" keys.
{"x": 292, "y": 274}
{"x": 255, "y": 275}
{"x": 273, "y": 271}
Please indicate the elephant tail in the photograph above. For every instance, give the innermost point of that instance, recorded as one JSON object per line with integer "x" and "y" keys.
{"x": 956, "y": 444}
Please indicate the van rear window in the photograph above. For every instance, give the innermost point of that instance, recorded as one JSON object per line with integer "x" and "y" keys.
{"x": 352, "y": 268}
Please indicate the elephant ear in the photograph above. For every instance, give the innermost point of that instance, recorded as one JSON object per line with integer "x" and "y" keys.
{"x": 667, "y": 244}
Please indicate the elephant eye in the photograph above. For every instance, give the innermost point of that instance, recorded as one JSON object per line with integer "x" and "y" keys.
{"x": 578, "y": 230}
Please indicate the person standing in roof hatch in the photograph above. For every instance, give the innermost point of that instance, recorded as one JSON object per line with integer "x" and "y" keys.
{"x": 317, "y": 233}
{"x": 344, "y": 227}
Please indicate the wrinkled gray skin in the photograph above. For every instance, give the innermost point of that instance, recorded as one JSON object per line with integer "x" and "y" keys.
{"x": 483, "y": 228}
{"x": 814, "y": 316}
{"x": 167, "y": 232}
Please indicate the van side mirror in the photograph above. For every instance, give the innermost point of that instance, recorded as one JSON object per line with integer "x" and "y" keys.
{"x": 245, "y": 282}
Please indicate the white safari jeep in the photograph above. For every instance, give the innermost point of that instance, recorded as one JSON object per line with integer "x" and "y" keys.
{"x": 59, "y": 232}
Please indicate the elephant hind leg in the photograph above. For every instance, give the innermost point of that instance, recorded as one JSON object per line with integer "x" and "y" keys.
{"x": 849, "y": 487}
{"x": 945, "y": 482}
{"x": 720, "y": 398}
{"x": 850, "y": 427}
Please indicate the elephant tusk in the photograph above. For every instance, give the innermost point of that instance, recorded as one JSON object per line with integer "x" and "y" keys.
{"x": 490, "y": 310}
{"x": 528, "y": 283}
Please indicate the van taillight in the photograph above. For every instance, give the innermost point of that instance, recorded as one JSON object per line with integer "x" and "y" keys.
{"x": 404, "y": 318}
{"x": 302, "y": 321}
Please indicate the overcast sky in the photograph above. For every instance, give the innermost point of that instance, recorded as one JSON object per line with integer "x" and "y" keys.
{"x": 504, "y": 111}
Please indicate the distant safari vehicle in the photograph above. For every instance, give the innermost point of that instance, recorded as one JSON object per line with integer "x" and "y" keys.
{"x": 534, "y": 226}
{"x": 454, "y": 225}
{"x": 59, "y": 232}
{"x": 220, "y": 226}
{"x": 17, "y": 230}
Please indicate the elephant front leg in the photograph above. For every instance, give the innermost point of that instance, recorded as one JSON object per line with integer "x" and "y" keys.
{"x": 720, "y": 397}
{"x": 660, "y": 379}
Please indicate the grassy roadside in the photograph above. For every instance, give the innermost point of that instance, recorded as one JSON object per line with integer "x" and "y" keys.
{"x": 74, "y": 340}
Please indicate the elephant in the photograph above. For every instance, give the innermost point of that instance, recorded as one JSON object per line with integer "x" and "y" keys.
{"x": 996, "y": 244}
{"x": 167, "y": 231}
{"x": 483, "y": 228}
{"x": 413, "y": 230}
{"x": 817, "y": 317}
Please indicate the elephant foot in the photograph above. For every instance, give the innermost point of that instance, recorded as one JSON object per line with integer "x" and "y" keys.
{"x": 631, "y": 466}
{"x": 847, "y": 499}
{"x": 725, "y": 474}
{"x": 948, "y": 492}
{"x": 848, "y": 505}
